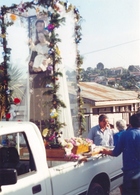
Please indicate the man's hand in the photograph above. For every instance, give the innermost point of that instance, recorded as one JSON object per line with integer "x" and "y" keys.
{"x": 106, "y": 151}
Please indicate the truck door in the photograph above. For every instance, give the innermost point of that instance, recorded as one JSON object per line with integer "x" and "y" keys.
{"x": 15, "y": 153}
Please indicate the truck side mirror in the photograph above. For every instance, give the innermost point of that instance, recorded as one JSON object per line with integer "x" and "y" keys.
{"x": 7, "y": 177}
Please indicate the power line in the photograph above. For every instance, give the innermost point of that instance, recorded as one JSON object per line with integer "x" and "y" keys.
{"x": 110, "y": 47}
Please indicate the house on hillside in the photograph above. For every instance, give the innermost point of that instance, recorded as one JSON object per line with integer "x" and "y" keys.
{"x": 135, "y": 71}
{"x": 100, "y": 99}
{"x": 116, "y": 71}
{"x": 136, "y": 74}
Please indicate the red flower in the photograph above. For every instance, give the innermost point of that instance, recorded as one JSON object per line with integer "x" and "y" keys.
{"x": 51, "y": 120}
{"x": 8, "y": 115}
{"x": 16, "y": 100}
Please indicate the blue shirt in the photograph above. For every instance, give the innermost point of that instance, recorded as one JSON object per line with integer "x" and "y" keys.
{"x": 116, "y": 136}
{"x": 129, "y": 145}
{"x": 101, "y": 138}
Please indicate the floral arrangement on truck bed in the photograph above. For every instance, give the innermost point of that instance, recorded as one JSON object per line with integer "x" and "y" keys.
{"x": 73, "y": 147}
{"x": 69, "y": 144}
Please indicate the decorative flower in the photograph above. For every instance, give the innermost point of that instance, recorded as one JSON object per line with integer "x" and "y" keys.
{"x": 21, "y": 7}
{"x": 8, "y": 115}
{"x": 73, "y": 156}
{"x": 57, "y": 50}
{"x": 45, "y": 132}
{"x": 51, "y": 120}
{"x": 49, "y": 85}
{"x": 52, "y": 137}
{"x": 37, "y": 10}
{"x": 50, "y": 68}
{"x": 13, "y": 17}
{"x": 83, "y": 141}
{"x": 51, "y": 51}
{"x": 50, "y": 27}
{"x": 17, "y": 101}
{"x": 35, "y": 2}
{"x": 76, "y": 11}
{"x": 69, "y": 144}
{"x": 53, "y": 113}
{"x": 8, "y": 91}
{"x": 3, "y": 35}
{"x": 62, "y": 142}
{"x": 89, "y": 141}
{"x": 58, "y": 7}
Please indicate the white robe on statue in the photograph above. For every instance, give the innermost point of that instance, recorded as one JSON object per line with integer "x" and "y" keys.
{"x": 42, "y": 54}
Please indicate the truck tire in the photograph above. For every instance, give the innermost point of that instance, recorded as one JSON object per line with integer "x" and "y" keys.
{"x": 95, "y": 189}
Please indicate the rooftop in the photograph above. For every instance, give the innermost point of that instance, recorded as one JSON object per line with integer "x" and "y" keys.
{"x": 102, "y": 95}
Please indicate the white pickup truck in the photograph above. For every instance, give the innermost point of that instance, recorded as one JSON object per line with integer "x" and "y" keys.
{"x": 22, "y": 149}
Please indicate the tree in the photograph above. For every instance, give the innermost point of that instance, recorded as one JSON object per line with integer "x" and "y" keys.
{"x": 17, "y": 83}
{"x": 89, "y": 70}
{"x": 85, "y": 75}
{"x": 100, "y": 66}
{"x": 131, "y": 68}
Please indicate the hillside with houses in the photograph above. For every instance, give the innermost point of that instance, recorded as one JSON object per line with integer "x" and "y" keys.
{"x": 118, "y": 78}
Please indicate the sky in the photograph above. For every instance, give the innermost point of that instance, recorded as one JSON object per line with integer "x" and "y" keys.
{"x": 110, "y": 31}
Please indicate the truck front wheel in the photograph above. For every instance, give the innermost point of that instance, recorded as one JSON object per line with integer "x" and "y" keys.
{"x": 95, "y": 189}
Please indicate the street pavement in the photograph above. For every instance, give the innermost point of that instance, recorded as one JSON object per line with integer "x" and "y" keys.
{"x": 115, "y": 192}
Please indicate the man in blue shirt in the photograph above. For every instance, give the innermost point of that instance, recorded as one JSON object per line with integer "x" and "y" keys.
{"x": 101, "y": 134}
{"x": 129, "y": 145}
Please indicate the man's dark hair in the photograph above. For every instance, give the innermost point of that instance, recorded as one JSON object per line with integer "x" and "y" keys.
{"x": 135, "y": 120}
{"x": 102, "y": 117}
